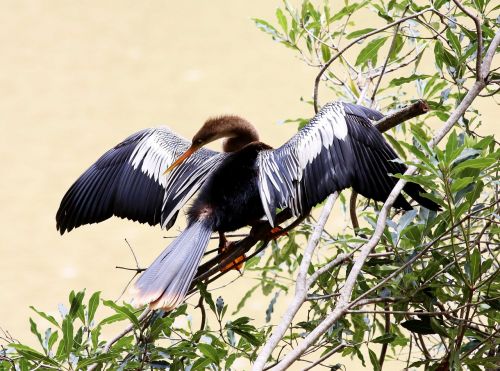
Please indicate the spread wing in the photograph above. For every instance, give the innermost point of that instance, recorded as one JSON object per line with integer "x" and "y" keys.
{"x": 339, "y": 148}
{"x": 128, "y": 182}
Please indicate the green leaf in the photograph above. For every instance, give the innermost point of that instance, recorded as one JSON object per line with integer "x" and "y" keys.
{"x": 244, "y": 299}
{"x": 423, "y": 180}
{"x": 439, "y": 3}
{"x": 477, "y": 163}
{"x": 209, "y": 351}
{"x": 111, "y": 319}
{"x": 460, "y": 183}
{"x": 67, "y": 330}
{"x": 374, "y": 360}
{"x": 101, "y": 358}
{"x": 479, "y": 5}
{"x": 32, "y": 354}
{"x": 34, "y": 331}
{"x": 475, "y": 265}
{"x": 282, "y": 20}
{"x": 384, "y": 339}
{"x": 347, "y": 10}
{"x": 52, "y": 339}
{"x": 76, "y": 302}
{"x": 123, "y": 310}
{"x": 438, "y": 54}
{"x": 431, "y": 89}
{"x": 206, "y": 296}
{"x": 453, "y": 39}
{"x": 358, "y": 33}
{"x": 449, "y": 59}
{"x": 403, "y": 80}
{"x": 93, "y": 304}
{"x": 396, "y": 48}
{"x": 267, "y": 28}
{"x": 451, "y": 145}
{"x": 325, "y": 52}
{"x": 370, "y": 51}
{"x": 46, "y": 316}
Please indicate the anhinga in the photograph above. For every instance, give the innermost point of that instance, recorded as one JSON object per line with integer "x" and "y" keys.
{"x": 339, "y": 148}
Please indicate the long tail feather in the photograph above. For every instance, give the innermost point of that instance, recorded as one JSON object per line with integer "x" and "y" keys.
{"x": 165, "y": 283}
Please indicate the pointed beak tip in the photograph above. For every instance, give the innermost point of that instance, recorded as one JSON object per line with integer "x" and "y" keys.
{"x": 182, "y": 158}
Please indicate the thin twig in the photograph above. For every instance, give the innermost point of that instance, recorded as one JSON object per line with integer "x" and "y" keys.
{"x": 479, "y": 32}
{"x": 393, "y": 43}
{"x": 354, "y": 42}
{"x": 338, "y": 348}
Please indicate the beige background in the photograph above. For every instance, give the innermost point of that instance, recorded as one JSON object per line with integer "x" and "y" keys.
{"x": 78, "y": 77}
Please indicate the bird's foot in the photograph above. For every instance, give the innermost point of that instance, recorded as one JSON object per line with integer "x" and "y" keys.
{"x": 237, "y": 263}
{"x": 277, "y": 232}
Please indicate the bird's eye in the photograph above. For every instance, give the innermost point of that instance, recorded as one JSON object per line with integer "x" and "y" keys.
{"x": 199, "y": 141}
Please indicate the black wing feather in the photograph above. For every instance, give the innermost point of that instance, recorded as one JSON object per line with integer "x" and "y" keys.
{"x": 339, "y": 148}
{"x": 128, "y": 182}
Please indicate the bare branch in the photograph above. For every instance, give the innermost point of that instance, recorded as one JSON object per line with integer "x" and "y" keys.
{"x": 413, "y": 110}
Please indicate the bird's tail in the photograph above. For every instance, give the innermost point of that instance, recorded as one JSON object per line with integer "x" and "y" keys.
{"x": 165, "y": 283}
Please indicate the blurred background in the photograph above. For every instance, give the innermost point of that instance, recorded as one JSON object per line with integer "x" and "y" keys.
{"x": 78, "y": 77}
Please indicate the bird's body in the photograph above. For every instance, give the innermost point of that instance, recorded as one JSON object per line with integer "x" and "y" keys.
{"x": 339, "y": 148}
{"x": 230, "y": 196}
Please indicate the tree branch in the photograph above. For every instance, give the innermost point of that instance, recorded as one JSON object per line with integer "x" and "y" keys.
{"x": 344, "y": 304}
{"x": 301, "y": 286}
{"x": 394, "y": 119}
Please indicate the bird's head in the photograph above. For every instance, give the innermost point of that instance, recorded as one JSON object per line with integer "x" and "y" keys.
{"x": 238, "y": 131}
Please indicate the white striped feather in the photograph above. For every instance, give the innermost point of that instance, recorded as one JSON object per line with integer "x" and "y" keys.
{"x": 156, "y": 152}
{"x": 295, "y": 157}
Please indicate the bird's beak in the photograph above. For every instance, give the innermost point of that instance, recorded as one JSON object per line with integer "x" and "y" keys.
{"x": 183, "y": 157}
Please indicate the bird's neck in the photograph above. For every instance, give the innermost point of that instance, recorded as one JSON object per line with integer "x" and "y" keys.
{"x": 233, "y": 144}
{"x": 238, "y": 133}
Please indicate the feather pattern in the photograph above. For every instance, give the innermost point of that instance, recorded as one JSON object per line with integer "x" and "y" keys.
{"x": 165, "y": 283}
{"x": 128, "y": 181}
{"x": 339, "y": 148}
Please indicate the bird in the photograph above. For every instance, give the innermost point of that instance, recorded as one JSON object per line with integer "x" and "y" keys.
{"x": 153, "y": 173}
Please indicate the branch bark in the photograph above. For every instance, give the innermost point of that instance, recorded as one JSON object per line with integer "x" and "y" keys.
{"x": 301, "y": 286}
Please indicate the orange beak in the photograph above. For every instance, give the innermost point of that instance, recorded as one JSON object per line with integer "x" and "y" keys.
{"x": 183, "y": 157}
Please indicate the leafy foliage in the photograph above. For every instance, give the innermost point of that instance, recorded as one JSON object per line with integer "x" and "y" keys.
{"x": 432, "y": 281}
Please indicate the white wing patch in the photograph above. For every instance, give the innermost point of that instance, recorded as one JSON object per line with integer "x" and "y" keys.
{"x": 153, "y": 155}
